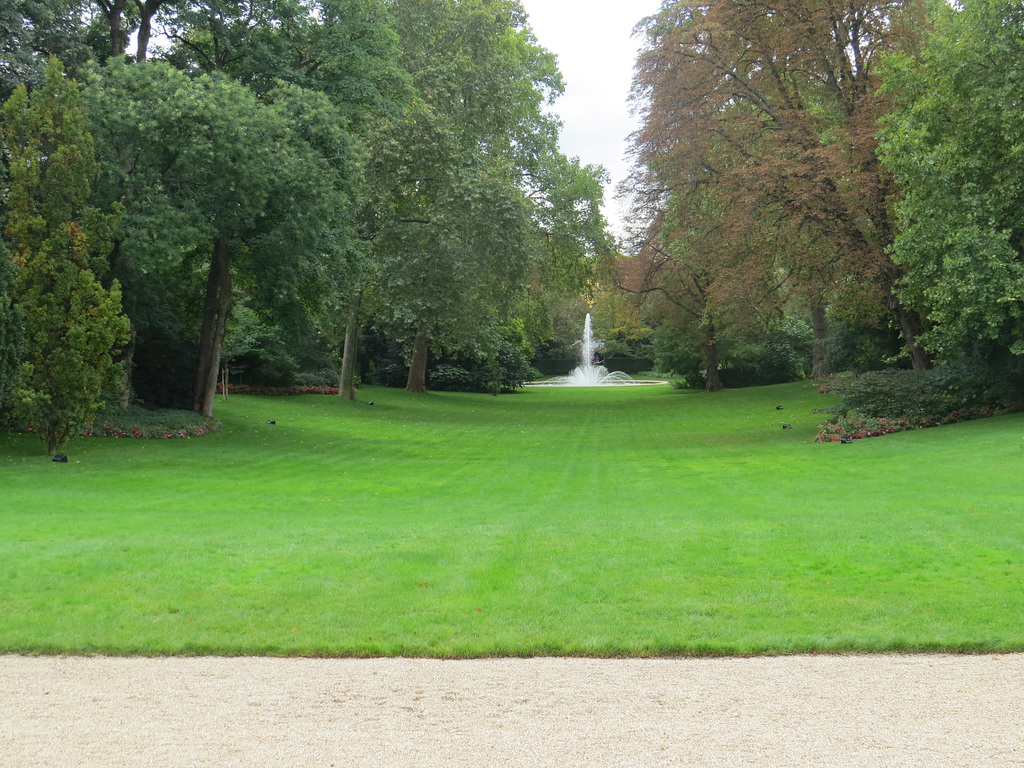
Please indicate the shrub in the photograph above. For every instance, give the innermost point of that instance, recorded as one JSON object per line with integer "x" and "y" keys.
{"x": 783, "y": 355}
{"x": 912, "y": 394}
{"x": 451, "y": 378}
{"x": 883, "y": 394}
{"x": 862, "y": 347}
{"x": 879, "y": 402}
{"x": 679, "y": 357}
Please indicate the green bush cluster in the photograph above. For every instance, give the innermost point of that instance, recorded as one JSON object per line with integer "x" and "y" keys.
{"x": 506, "y": 371}
{"x": 782, "y": 355}
{"x": 880, "y": 402}
{"x": 907, "y": 394}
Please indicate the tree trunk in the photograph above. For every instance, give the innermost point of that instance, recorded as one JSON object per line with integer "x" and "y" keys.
{"x": 145, "y": 29}
{"x": 714, "y": 383}
{"x": 126, "y": 359}
{"x": 147, "y": 10}
{"x": 215, "y": 317}
{"x": 346, "y": 387}
{"x": 910, "y": 325}
{"x": 417, "y": 381}
{"x": 113, "y": 12}
{"x": 819, "y": 329}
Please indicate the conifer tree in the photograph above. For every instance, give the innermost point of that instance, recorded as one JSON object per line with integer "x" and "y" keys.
{"x": 72, "y": 324}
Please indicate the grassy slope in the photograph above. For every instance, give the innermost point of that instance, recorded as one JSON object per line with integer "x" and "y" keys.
{"x": 608, "y": 522}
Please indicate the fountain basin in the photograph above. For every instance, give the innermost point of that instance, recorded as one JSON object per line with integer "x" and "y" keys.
{"x": 589, "y": 374}
{"x": 614, "y": 383}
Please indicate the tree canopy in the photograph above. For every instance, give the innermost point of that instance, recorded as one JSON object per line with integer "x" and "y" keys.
{"x": 954, "y": 143}
{"x": 758, "y": 145}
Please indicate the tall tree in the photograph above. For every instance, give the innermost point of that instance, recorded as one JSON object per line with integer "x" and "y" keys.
{"x": 259, "y": 190}
{"x": 124, "y": 17}
{"x": 787, "y": 92}
{"x": 955, "y": 143}
{"x": 73, "y": 325}
{"x": 459, "y": 178}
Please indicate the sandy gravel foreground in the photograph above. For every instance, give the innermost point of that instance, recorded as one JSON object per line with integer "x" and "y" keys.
{"x": 932, "y": 710}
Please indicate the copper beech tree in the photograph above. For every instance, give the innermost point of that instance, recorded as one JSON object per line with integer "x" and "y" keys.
{"x": 757, "y": 150}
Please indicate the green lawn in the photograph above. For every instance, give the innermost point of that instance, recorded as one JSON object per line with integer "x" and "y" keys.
{"x": 619, "y": 521}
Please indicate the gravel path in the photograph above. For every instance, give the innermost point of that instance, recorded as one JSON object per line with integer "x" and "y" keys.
{"x": 931, "y": 710}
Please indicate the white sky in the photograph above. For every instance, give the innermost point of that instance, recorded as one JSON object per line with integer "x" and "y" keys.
{"x": 596, "y": 53}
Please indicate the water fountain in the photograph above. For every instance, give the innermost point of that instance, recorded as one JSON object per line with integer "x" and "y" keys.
{"x": 588, "y": 373}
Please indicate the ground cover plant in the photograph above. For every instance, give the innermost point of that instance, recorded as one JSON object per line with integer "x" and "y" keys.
{"x": 616, "y": 521}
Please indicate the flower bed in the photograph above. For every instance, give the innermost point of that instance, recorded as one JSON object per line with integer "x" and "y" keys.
{"x": 246, "y": 389}
{"x": 858, "y": 427}
{"x": 165, "y": 433}
{"x": 138, "y": 423}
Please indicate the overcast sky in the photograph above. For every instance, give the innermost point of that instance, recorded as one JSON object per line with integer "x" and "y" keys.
{"x": 596, "y": 52}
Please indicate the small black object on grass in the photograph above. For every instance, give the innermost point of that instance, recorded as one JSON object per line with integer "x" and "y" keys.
{"x": 271, "y": 421}
{"x": 845, "y": 440}
{"x": 780, "y": 408}
{"x": 61, "y": 458}
{"x": 369, "y": 402}
{"x": 787, "y": 426}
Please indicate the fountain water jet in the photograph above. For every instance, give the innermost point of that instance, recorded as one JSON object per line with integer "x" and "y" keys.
{"x": 589, "y": 374}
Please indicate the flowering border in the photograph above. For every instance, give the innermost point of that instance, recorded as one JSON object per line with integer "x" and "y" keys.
{"x": 855, "y": 426}
{"x": 247, "y": 389}
{"x": 132, "y": 431}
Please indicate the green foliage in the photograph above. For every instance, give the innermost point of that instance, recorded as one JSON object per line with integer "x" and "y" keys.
{"x": 273, "y": 181}
{"x": 451, "y": 378}
{"x": 137, "y": 422}
{"x": 505, "y": 369}
{"x": 915, "y": 395}
{"x": 858, "y": 347}
{"x": 884, "y": 394}
{"x": 955, "y": 143}
{"x": 72, "y": 324}
{"x": 33, "y": 30}
{"x": 253, "y": 346}
{"x": 10, "y": 327}
{"x": 678, "y": 355}
{"x": 630, "y": 365}
{"x": 473, "y": 198}
{"x": 782, "y": 355}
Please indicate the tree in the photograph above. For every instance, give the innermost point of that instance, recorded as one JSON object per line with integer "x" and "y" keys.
{"x": 323, "y": 72}
{"x": 954, "y": 143}
{"x": 468, "y": 176}
{"x": 776, "y": 106}
{"x": 240, "y": 188}
{"x": 72, "y": 324}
